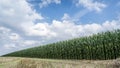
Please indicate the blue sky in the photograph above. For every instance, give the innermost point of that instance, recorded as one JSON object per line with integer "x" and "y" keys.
{"x": 29, "y": 23}
{"x": 56, "y": 11}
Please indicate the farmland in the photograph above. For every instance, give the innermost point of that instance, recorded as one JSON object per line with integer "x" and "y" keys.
{"x": 18, "y": 62}
{"x": 101, "y": 46}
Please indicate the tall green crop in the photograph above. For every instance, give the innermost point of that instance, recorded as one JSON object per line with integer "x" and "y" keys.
{"x": 105, "y": 45}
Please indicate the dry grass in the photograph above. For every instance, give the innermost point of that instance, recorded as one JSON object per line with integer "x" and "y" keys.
{"x": 12, "y": 62}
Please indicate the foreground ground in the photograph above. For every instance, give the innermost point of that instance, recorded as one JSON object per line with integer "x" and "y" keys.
{"x": 13, "y": 62}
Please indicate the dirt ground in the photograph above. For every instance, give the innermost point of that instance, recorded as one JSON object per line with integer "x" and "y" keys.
{"x": 17, "y": 62}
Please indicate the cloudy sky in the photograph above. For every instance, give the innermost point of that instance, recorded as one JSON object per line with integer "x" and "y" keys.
{"x": 29, "y": 23}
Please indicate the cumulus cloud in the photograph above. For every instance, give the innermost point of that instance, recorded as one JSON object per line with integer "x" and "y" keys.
{"x": 13, "y": 15}
{"x": 66, "y": 17}
{"x": 9, "y": 39}
{"x": 91, "y": 5}
{"x": 14, "y": 36}
{"x": 66, "y": 29}
{"x": 9, "y": 46}
{"x": 18, "y": 29}
{"x": 29, "y": 42}
{"x": 16, "y": 14}
{"x": 45, "y": 3}
{"x": 39, "y": 29}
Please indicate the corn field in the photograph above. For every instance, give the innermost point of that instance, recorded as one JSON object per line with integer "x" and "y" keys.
{"x": 102, "y": 46}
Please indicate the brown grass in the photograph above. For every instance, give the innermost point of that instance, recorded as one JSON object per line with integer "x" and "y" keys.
{"x": 9, "y": 62}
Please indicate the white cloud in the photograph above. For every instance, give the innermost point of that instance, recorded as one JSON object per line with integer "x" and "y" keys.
{"x": 9, "y": 46}
{"x": 7, "y": 37}
{"x": 115, "y": 24}
{"x": 30, "y": 42}
{"x": 39, "y": 29}
{"x": 91, "y": 4}
{"x": 66, "y": 29}
{"x": 13, "y": 14}
{"x": 45, "y": 3}
{"x": 14, "y": 36}
{"x": 10, "y": 40}
{"x": 77, "y": 16}
{"x": 18, "y": 13}
{"x": 4, "y": 30}
{"x": 66, "y": 17}
{"x": 18, "y": 29}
